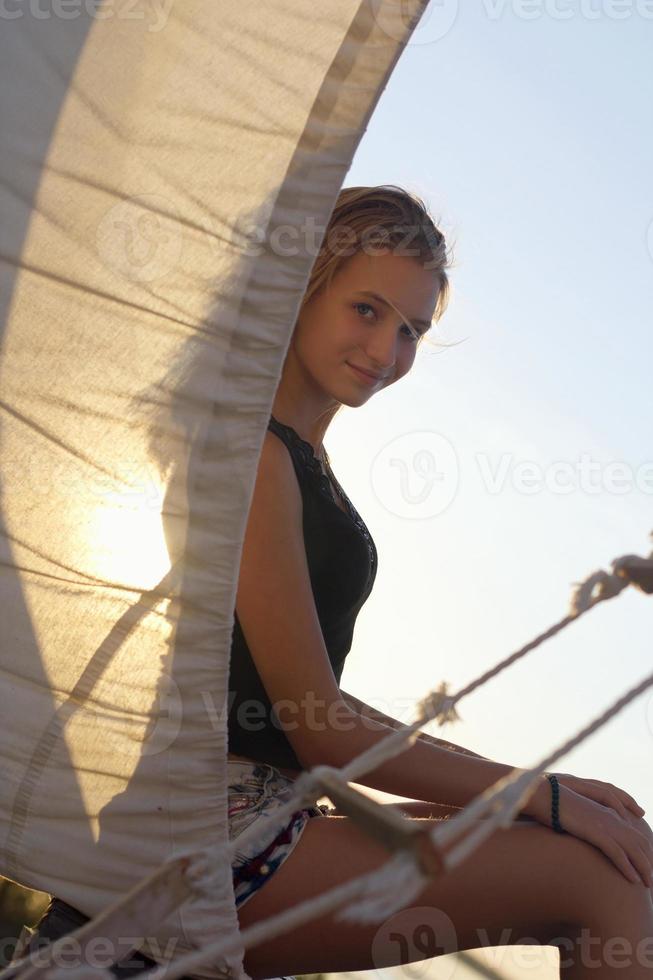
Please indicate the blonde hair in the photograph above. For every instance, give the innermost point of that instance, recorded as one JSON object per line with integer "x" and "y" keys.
{"x": 382, "y": 217}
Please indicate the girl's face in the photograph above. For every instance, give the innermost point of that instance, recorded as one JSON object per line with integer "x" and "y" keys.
{"x": 344, "y": 331}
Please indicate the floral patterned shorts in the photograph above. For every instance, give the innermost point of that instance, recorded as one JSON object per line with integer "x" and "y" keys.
{"x": 255, "y": 792}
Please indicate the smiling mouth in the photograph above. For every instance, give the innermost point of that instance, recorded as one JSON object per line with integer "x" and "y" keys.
{"x": 366, "y": 374}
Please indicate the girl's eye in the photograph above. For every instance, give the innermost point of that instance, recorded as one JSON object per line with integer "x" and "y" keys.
{"x": 358, "y": 305}
{"x": 411, "y": 335}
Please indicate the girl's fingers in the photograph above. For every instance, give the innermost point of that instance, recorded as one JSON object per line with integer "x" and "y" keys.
{"x": 612, "y": 801}
{"x": 627, "y": 800}
{"x": 645, "y": 838}
{"x": 640, "y": 857}
{"x": 612, "y": 796}
{"x": 625, "y": 865}
{"x": 602, "y": 792}
{"x": 623, "y": 862}
{"x": 632, "y": 804}
{"x": 645, "y": 868}
{"x": 619, "y": 807}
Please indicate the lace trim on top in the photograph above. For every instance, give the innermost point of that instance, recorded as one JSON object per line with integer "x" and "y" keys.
{"x": 314, "y": 466}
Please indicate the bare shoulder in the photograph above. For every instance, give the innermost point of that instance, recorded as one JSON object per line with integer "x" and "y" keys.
{"x": 275, "y": 603}
{"x": 276, "y": 454}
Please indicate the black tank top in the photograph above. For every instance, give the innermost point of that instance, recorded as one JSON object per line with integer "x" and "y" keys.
{"x": 342, "y": 563}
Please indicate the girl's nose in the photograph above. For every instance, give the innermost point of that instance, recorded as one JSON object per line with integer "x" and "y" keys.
{"x": 381, "y": 350}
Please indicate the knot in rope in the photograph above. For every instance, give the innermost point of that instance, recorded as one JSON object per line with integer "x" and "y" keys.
{"x": 439, "y": 703}
{"x": 309, "y": 784}
{"x": 627, "y": 570}
{"x": 638, "y": 571}
{"x": 596, "y": 587}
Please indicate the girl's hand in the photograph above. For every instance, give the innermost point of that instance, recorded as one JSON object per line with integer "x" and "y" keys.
{"x": 626, "y": 841}
{"x": 604, "y": 793}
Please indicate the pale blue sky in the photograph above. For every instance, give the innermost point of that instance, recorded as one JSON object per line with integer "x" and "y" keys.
{"x": 531, "y": 141}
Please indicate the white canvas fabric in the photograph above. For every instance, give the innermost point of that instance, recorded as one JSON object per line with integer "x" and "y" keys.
{"x": 143, "y": 335}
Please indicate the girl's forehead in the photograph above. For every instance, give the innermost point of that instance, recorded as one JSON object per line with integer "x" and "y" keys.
{"x": 377, "y": 267}
{"x": 397, "y": 279}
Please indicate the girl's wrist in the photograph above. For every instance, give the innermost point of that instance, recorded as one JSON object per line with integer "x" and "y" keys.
{"x": 539, "y": 803}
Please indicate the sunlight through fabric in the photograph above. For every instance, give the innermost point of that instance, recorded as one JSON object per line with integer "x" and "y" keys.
{"x": 149, "y": 156}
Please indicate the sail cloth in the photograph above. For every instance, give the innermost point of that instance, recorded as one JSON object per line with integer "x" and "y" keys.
{"x": 164, "y": 168}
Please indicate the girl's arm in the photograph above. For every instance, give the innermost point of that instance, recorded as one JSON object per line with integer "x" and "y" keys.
{"x": 362, "y": 708}
{"x": 424, "y": 771}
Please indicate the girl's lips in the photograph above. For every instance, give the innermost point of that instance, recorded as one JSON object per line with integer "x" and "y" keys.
{"x": 362, "y": 376}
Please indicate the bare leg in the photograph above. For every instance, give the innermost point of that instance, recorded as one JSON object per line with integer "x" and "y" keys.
{"x": 523, "y": 886}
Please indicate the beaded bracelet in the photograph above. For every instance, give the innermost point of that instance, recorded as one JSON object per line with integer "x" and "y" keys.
{"x": 555, "y": 802}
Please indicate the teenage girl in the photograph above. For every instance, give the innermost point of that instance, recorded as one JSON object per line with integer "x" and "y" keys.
{"x": 308, "y": 565}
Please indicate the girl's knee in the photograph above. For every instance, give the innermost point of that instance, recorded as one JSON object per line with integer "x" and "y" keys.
{"x": 601, "y": 894}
